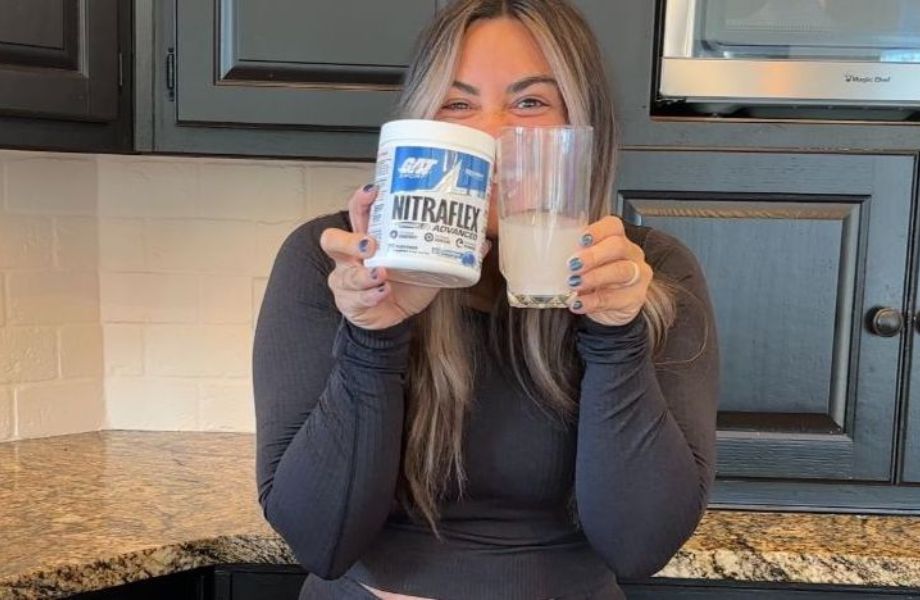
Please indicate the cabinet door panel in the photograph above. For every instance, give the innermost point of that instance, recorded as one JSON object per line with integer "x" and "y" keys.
{"x": 333, "y": 65}
{"x": 348, "y": 33}
{"x": 797, "y": 250}
{"x": 59, "y": 59}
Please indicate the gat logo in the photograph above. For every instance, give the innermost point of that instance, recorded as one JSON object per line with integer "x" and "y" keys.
{"x": 417, "y": 167}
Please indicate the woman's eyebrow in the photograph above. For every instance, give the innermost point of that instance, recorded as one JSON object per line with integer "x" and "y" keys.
{"x": 514, "y": 88}
{"x": 525, "y": 83}
{"x": 465, "y": 87}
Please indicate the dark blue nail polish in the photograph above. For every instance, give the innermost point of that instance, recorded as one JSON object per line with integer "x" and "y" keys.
{"x": 362, "y": 245}
{"x": 575, "y": 281}
{"x": 575, "y": 264}
{"x": 577, "y": 305}
{"x": 374, "y": 274}
{"x": 587, "y": 239}
{"x": 368, "y": 187}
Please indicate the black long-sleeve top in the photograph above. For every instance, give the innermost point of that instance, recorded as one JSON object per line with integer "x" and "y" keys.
{"x": 330, "y": 402}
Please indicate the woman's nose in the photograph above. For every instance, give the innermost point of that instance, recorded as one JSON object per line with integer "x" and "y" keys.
{"x": 492, "y": 123}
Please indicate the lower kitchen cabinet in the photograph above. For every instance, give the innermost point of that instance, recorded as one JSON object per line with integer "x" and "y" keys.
{"x": 283, "y": 582}
{"x": 680, "y": 589}
{"x": 221, "y": 582}
{"x": 807, "y": 257}
{"x": 252, "y": 582}
{"x": 187, "y": 585}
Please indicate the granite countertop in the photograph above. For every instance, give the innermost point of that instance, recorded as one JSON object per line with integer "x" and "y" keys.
{"x": 89, "y": 511}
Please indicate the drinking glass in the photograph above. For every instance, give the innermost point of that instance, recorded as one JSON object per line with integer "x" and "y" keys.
{"x": 544, "y": 183}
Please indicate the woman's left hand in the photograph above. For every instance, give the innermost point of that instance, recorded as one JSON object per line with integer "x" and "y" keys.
{"x": 609, "y": 274}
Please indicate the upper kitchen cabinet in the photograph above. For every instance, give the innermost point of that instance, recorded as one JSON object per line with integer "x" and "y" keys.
{"x": 632, "y": 37}
{"x": 64, "y": 77}
{"x": 305, "y": 79}
{"x": 806, "y": 259}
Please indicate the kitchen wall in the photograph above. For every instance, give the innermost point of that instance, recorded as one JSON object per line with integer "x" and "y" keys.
{"x": 131, "y": 284}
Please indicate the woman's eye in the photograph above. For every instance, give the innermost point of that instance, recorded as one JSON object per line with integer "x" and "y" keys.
{"x": 456, "y": 105}
{"x": 531, "y": 103}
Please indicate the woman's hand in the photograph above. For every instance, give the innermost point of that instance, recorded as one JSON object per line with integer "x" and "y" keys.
{"x": 609, "y": 274}
{"x": 366, "y": 297}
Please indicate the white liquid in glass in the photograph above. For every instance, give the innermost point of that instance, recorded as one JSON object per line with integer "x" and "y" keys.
{"x": 534, "y": 249}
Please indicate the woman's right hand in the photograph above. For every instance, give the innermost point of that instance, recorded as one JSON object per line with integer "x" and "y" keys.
{"x": 366, "y": 297}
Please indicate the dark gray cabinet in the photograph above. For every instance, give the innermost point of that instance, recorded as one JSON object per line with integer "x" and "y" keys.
{"x": 283, "y": 582}
{"x": 801, "y": 251}
{"x": 237, "y": 581}
{"x": 688, "y": 589}
{"x": 305, "y": 79}
{"x": 62, "y": 74}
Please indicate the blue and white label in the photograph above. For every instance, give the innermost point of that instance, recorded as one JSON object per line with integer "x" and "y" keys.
{"x": 427, "y": 169}
{"x": 431, "y": 212}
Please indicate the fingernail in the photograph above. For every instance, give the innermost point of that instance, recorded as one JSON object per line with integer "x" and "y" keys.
{"x": 577, "y": 305}
{"x": 374, "y": 274}
{"x": 368, "y": 187}
{"x": 363, "y": 244}
{"x": 575, "y": 281}
{"x": 587, "y": 239}
{"x": 575, "y": 264}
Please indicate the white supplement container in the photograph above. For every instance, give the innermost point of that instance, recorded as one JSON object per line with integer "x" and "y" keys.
{"x": 429, "y": 219}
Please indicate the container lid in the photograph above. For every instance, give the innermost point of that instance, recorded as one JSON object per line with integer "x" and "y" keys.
{"x": 434, "y": 131}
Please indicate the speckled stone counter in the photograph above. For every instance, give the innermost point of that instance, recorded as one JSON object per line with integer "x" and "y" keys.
{"x": 96, "y": 510}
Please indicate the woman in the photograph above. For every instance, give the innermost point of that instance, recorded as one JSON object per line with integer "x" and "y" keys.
{"x": 423, "y": 443}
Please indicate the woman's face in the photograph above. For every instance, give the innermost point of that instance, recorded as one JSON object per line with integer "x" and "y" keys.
{"x": 502, "y": 79}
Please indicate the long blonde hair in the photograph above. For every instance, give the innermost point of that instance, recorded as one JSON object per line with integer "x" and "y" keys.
{"x": 540, "y": 343}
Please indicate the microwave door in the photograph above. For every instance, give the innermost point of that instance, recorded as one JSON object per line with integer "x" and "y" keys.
{"x": 821, "y": 52}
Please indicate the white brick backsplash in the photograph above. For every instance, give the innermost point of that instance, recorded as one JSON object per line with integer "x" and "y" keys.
{"x": 27, "y": 354}
{"x": 225, "y": 299}
{"x": 198, "y": 351}
{"x": 25, "y": 242}
{"x": 44, "y": 297}
{"x": 76, "y": 244}
{"x": 147, "y": 187}
{"x": 149, "y": 298}
{"x": 226, "y": 407}
{"x": 124, "y": 349}
{"x": 130, "y": 286}
{"x": 330, "y": 186}
{"x": 121, "y": 245}
{"x": 7, "y": 415}
{"x": 151, "y": 404}
{"x": 201, "y": 246}
{"x": 253, "y": 192}
{"x": 58, "y": 408}
{"x": 51, "y": 185}
{"x": 268, "y": 241}
{"x": 258, "y": 294}
{"x": 80, "y": 350}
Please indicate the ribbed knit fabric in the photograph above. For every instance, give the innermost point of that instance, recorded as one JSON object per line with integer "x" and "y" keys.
{"x": 330, "y": 410}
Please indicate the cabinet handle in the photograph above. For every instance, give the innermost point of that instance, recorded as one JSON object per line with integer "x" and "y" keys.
{"x": 886, "y": 322}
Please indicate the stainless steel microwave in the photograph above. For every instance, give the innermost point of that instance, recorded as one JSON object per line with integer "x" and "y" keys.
{"x": 829, "y": 53}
